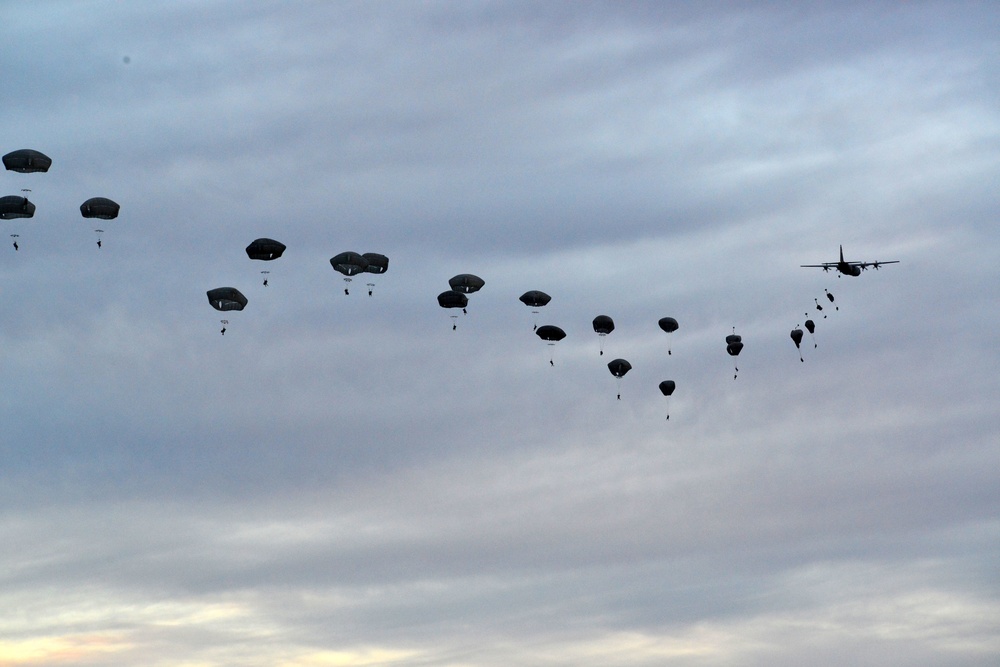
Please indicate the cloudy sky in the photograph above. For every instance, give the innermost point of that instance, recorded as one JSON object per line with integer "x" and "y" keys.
{"x": 345, "y": 480}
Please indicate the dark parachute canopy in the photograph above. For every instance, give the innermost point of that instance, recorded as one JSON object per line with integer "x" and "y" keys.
{"x": 14, "y": 206}
{"x": 349, "y": 263}
{"x": 27, "y": 161}
{"x": 226, "y": 298}
{"x": 734, "y": 345}
{"x": 811, "y": 327}
{"x": 452, "y": 299}
{"x": 550, "y": 332}
{"x": 618, "y": 368}
{"x": 667, "y": 388}
{"x": 466, "y": 283}
{"x": 100, "y": 207}
{"x": 376, "y": 263}
{"x": 603, "y": 325}
{"x": 669, "y": 325}
{"x": 265, "y": 249}
{"x": 534, "y": 298}
{"x": 796, "y": 335}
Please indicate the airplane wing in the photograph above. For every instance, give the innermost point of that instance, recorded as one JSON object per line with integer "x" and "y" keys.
{"x": 874, "y": 265}
{"x": 825, "y": 267}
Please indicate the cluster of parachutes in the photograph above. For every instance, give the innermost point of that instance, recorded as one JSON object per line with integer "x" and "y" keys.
{"x": 603, "y": 325}
{"x": 796, "y": 333}
{"x": 457, "y": 297}
{"x": 29, "y": 161}
{"x": 264, "y": 249}
{"x": 351, "y": 264}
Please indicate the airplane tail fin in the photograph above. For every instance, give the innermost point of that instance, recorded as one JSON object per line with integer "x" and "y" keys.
{"x": 841, "y": 254}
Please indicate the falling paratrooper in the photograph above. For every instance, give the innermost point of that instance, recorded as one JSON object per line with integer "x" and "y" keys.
{"x": 100, "y": 208}
{"x": 734, "y": 345}
{"x": 796, "y": 335}
{"x": 830, "y": 297}
{"x": 377, "y": 264}
{"x": 669, "y": 325}
{"x": 667, "y": 389}
{"x": 225, "y": 299}
{"x": 618, "y": 368}
{"x": 551, "y": 334}
{"x": 453, "y": 299}
{"x": 811, "y": 328}
{"x": 603, "y": 325}
{"x": 350, "y": 264}
{"x": 265, "y": 250}
{"x": 534, "y": 299}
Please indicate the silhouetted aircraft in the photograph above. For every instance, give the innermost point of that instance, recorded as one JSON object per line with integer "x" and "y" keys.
{"x": 848, "y": 268}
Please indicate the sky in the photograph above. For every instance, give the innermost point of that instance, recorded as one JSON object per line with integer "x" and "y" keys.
{"x": 346, "y": 480}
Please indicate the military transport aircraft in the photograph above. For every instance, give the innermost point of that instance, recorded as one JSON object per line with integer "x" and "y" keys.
{"x": 848, "y": 268}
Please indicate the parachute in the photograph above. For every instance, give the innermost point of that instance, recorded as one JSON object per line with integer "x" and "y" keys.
{"x": 453, "y": 299}
{"x": 226, "y": 298}
{"x": 466, "y": 283}
{"x": 618, "y": 368}
{"x": 377, "y": 264}
{"x": 14, "y": 206}
{"x": 100, "y": 207}
{"x": 603, "y": 325}
{"x": 534, "y": 299}
{"x": 669, "y": 325}
{"x": 796, "y": 335}
{"x": 265, "y": 249}
{"x": 551, "y": 334}
{"x": 830, "y": 297}
{"x": 811, "y": 327}
{"x": 27, "y": 161}
{"x": 350, "y": 264}
{"x": 667, "y": 388}
{"x": 734, "y": 345}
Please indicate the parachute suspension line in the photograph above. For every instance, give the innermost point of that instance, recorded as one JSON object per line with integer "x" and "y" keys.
{"x": 347, "y": 287}
{"x": 371, "y": 287}
{"x": 601, "y": 344}
{"x": 552, "y": 354}
{"x": 454, "y": 322}
{"x": 15, "y": 237}
{"x": 265, "y": 274}
{"x": 535, "y": 313}
{"x": 224, "y": 324}
{"x": 819, "y": 307}
{"x": 618, "y": 381}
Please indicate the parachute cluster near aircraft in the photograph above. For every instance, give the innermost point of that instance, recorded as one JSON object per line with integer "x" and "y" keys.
{"x": 352, "y": 264}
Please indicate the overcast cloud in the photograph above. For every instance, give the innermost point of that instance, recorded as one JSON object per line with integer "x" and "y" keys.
{"x": 345, "y": 480}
